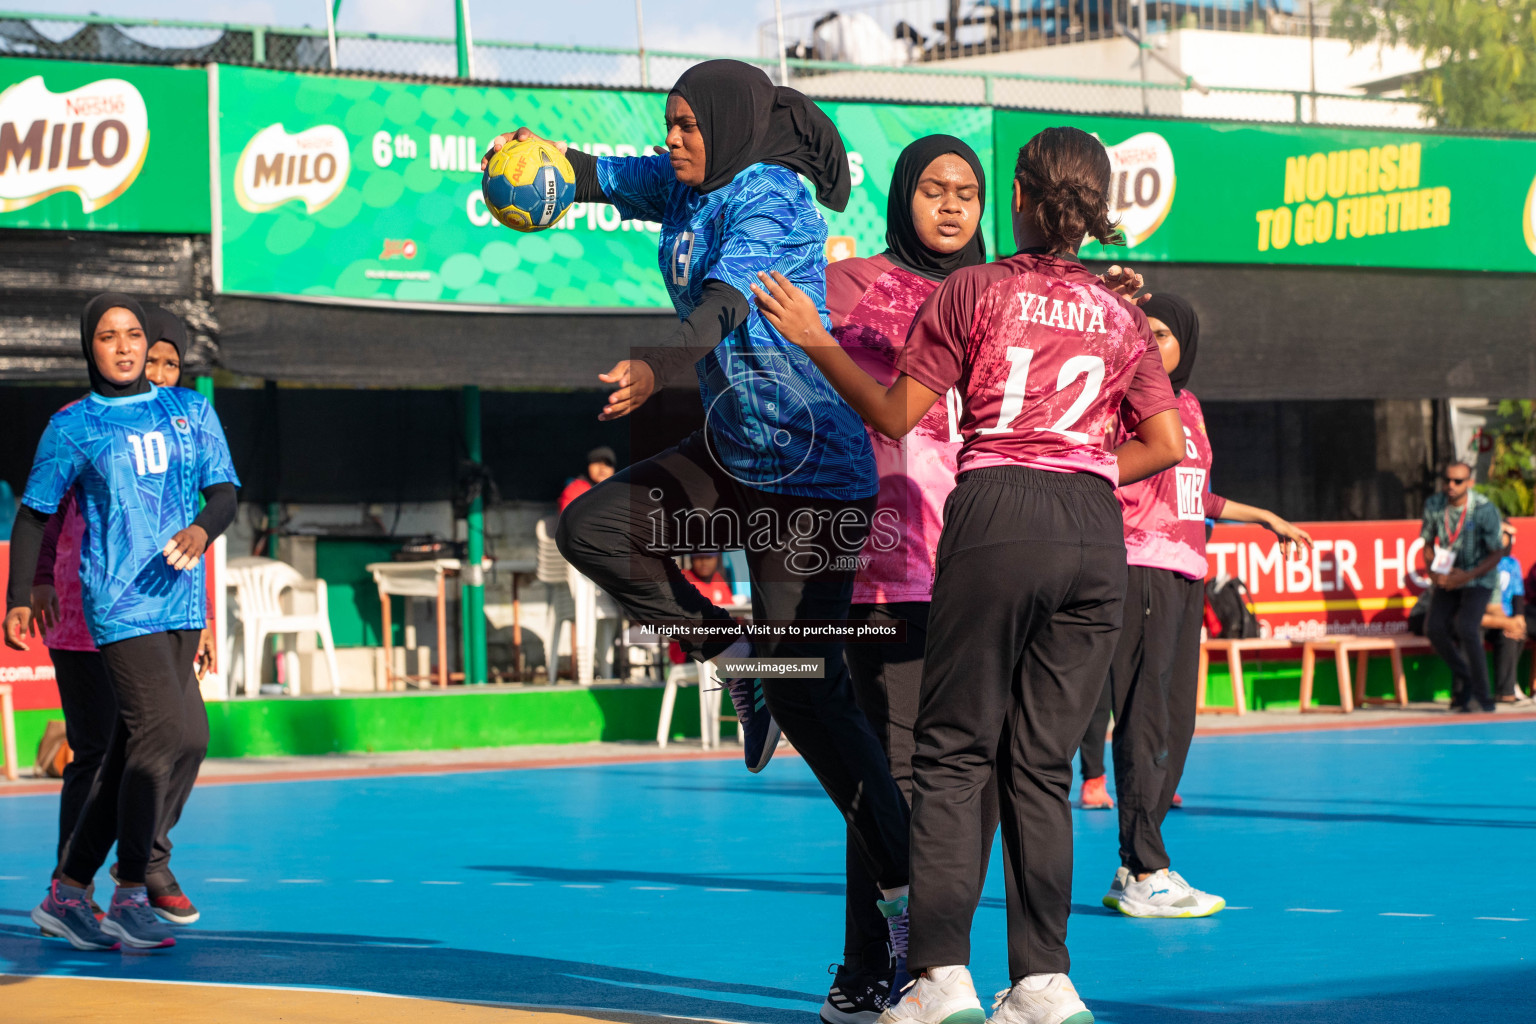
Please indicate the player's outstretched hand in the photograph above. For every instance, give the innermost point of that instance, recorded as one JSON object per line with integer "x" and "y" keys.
{"x": 1291, "y": 536}
{"x": 45, "y": 607}
{"x": 791, "y": 312}
{"x": 19, "y": 626}
{"x": 520, "y": 135}
{"x": 636, "y": 381}
{"x": 1123, "y": 281}
{"x": 183, "y": 550}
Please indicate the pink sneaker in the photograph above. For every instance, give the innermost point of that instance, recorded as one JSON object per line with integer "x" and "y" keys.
{"x": 1094, "y": 796}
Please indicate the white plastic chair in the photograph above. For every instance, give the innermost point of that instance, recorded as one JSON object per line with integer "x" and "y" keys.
{"x": 573, "y": 598}
{"x": 692, "y": 673}
{"x": 259, "y": 585}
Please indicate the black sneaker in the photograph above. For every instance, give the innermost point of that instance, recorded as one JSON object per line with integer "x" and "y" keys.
{"x": 760, "y": 733}
{"x": 856, "y": 997}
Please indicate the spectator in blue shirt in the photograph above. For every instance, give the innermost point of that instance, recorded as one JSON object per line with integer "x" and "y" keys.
{"x": 1505, "y": 627}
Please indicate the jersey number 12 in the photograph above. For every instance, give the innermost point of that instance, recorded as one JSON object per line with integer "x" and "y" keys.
{"x": 1089, "y": 367}
{"x": 149, "y": 454}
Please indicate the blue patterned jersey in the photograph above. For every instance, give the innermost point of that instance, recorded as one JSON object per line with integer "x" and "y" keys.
{"x": 139, "y": 463}
{"x": 772, "y": 419}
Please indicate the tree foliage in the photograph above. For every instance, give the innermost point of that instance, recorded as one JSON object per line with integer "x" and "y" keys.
{"x": 1479, "y": 55}
{"x": 1511, "y": 482}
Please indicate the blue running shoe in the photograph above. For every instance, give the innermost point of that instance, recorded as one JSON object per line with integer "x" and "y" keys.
{"x": 896, "y": 920}
{"x": 132, "y": 920}
{"x": 66, "y": 913}
{"x": 760, "y": 733}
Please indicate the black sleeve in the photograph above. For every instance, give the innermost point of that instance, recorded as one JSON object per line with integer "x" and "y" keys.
{"x": 219, "y": 511}
{"x": 720, "y": 311}
{"x": 1517, "y": 606}
{"x": 585, "y": 166}
{"x": 26, "y": 543}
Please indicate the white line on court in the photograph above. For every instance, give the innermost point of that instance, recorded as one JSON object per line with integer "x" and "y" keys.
{"x": 300, "y": 881}
{"x": 578, "y": 885}
{"x": 1391, "y": 913}
{"x": 1309, "y": 910}
{"x": 232, "y": 881}
{"x": 441, "y": 883}
{"x": 726, "y": 890}
{"x": 376, "y": 881}
{"x": 654, "y": 888}
{"x": 1501, "y": 919}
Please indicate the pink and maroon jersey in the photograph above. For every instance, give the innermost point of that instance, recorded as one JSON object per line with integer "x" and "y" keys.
{"x": 1165, "y": 514}
{"x": 59, "y": 566}
{"x": 1045, "y": 358}
{"x": 872, "y": 303}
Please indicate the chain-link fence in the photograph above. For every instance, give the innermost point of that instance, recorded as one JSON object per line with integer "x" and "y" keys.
{"x": 302, "y": 49}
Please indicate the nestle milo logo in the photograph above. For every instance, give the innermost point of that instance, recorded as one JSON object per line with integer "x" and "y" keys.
{"x": 276, "y": 167}
{"x": 90, "y": 141}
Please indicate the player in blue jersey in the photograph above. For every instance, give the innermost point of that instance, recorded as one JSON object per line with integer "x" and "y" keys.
{"x": 782, "y": 467}
{"x": 137, "y": 456}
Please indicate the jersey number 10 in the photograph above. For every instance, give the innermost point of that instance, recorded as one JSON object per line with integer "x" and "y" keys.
{"x": 149, "y": 455}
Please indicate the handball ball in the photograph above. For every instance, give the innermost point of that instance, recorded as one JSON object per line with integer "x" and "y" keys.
{"x": 528, "y": 185}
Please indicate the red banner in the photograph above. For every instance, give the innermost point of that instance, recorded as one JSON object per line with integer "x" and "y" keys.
{"x": 1361, "y": 577}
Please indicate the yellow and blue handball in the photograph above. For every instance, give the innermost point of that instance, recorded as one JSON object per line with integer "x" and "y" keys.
{"x": 529, "y": 185}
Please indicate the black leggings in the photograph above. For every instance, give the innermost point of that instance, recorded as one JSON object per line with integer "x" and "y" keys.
{"x": 1154, "y": 677}
{"x": 621, "y": 535}
{"x": 1026, "y": 607}
{"x": 158, "y": 740}
{"x": 1090, "y": 758}
{"x": 90, "y": 709}
{"x": 887, "y": 678}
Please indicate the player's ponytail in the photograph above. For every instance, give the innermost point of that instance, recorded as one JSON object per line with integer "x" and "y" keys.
{"x": 1066, "y": 173}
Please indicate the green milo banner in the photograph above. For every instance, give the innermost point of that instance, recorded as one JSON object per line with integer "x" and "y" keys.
{"x": 358, "y": 190}
{"x": 1199, "y": 192}
{"x": 106, "y": 147}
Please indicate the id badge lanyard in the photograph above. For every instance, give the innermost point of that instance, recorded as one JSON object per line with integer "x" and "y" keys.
{"x": 1445, "y": 558}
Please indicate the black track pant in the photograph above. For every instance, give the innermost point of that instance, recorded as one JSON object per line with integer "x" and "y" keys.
{"x": 90, "y": 709}
{"x": 887, "y": 678}
{"x": 621, "y": 535}
{"x": 1090, "y": 757}
{"x": 1455, "y": 629}
{"x": 1026, "y": 607}
{"x": 1506, "y": 662}
{"x": 1154, "y": 678}
{"x": 161, "y": 729}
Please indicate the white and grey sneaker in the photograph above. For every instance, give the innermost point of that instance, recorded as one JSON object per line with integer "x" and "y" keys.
{"x": 940, "y": 995}
{"x": 1117, "y": 888}
{"x": 1165, "y": 894}
{"x": 1040, "y": 999}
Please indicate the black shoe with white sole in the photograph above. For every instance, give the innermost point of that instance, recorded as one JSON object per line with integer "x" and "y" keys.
{"x": 856, "y": 997}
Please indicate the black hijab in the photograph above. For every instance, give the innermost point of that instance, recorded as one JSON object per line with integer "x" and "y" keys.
{"x": 166, "y": 326}
{"x": 903, "y": 247}
{"x": 746, "y": 119}
{"x": 1180, "y": 317}
{"x": 89, "y": 318}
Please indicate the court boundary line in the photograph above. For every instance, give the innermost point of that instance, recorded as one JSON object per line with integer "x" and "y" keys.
{"x": 634, "y": 1016}
{"x": 35, "y": 787}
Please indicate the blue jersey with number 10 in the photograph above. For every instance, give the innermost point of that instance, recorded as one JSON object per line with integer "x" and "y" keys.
{"x": 139, "y": 463}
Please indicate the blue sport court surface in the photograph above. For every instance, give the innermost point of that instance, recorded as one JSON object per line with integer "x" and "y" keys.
{"x": 1373, "y": 875}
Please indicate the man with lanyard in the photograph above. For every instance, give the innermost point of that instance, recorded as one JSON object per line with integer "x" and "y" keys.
{"x": 1462, "y": 548}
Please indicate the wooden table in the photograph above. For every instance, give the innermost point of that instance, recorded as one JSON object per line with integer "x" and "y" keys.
{"x": 426, "y": 579}
{"x": 518, "y": 567}
{"x": 1234, "y": 649}
{"x": 1342, "y": 646}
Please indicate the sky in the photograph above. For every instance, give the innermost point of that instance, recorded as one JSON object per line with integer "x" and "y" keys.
{"x": 725, "y": 27}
